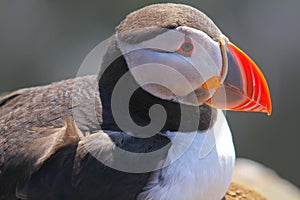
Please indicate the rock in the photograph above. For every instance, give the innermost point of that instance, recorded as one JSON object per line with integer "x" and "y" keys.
{"x": 240, "y": 192}
{"x": 263, "y": 180}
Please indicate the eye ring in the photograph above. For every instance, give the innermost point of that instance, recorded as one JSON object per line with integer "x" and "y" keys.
{"x": 187, "y": 48}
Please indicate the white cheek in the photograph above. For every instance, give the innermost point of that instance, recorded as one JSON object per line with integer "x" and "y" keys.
{"x": 169, "y": 41}
{"x": 165, "y": 69}
{"x": 152, "y": 75}
{"x": 156, "y": 70}
{"x": 206, "y": 57}
{"x": 207, "y": 60}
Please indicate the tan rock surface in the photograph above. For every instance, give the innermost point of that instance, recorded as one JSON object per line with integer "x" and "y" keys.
{"x": 240, "y": 192}
{"x": 264, "y": 180}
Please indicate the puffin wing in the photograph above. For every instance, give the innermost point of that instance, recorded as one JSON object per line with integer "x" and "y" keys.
{"x": 33, "y": 126}
{"x": 46, "y": 158}
{"x": 69, "y": 167}
{"x": 46, "y": 151}
{"x": 105, "y": 164}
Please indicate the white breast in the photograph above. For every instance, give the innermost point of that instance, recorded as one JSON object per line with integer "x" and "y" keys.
{"x": 202, "y": 172}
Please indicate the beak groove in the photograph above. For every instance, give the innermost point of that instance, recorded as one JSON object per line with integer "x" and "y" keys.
{"x": 244, "y": 88}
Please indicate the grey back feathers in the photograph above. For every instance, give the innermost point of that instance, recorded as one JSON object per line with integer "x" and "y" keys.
{"x": 46, "y": 154}
{"x": 43, "y": 129}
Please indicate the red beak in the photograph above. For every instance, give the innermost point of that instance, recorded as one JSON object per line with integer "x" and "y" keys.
{"x": 244, "y": 88}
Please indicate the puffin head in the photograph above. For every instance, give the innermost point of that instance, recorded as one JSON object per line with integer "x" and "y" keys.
{"x": 176, "y": 53}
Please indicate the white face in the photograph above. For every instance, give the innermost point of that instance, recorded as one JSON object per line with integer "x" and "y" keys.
{"x": 175, "y": 64}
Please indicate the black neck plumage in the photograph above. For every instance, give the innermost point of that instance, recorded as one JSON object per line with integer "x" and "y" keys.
{"x": 179, "y": 117}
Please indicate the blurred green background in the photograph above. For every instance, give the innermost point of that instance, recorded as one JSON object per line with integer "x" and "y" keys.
{"x": 42, "y": 41}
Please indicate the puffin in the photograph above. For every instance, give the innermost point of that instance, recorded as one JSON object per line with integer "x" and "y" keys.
{"x": 149, "y": 126}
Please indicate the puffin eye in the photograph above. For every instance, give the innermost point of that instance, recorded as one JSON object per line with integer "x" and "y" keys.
{"x": 186, "y": 48}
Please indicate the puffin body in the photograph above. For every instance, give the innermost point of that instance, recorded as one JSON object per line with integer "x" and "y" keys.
{"x": 149, "y": 126}
{"x": 204, "y": 171}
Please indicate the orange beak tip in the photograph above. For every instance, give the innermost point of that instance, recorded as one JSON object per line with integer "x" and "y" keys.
{"x": 245, "y": 86}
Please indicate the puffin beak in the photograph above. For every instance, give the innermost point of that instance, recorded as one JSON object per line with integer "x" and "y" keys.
{"x": 244, "y": 87}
